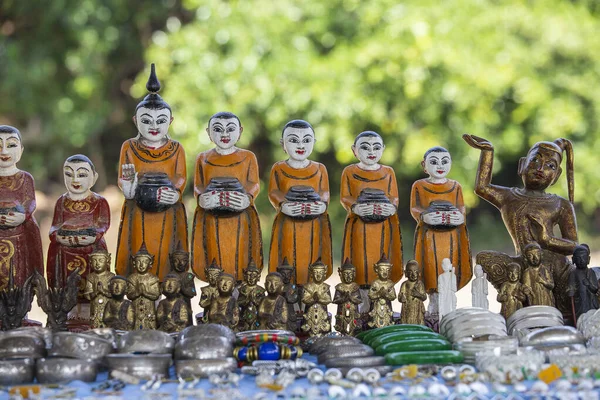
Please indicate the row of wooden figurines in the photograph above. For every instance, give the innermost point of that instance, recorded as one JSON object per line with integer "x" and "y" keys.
{"x": 226, "y": 225}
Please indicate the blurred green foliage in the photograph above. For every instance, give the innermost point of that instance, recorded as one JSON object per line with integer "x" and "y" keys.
{"x": 420, "y": 72}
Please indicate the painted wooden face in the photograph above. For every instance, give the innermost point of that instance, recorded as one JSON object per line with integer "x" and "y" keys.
{"x": 79, "y": 177}
{"x": 224, "y": 132}
{"x": 438, "y": 164}
{"x": 369, "y": 149}
{"x": 153, "y": 125}
{"x": 298, "y": 143}
{"x": 99, "y": 262}
{"x": 10, "y": 149}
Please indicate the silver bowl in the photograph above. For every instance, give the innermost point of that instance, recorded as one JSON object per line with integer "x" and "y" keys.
{"x": 22, "y": 346}
{"x": 143, "y": 366}
{"x": 207, "y": 330}
{"x": 43, "y": 333}
{"x": 146, "y": 341}
{"x": 204, "y": 368}
{"x": 17, "y": 370}
{"x": 79, "y": 345}
{"x": 63, "y": 370}
{"x": 202, "y": 347}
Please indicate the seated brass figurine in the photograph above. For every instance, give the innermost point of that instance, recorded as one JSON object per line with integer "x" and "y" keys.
{"x": 316, "y": 297}
{"x": 224, "y": 308}
{"x": 583, "y": 283}
{"x": 250, "y": 296}
{"x": 143, "y": 289}
{"x": 210, "y": 291}
{"x": 273, "y": 311}
{"x": 412, "y": 295}
{"x": 291, "y": 293}
{"x": 96, "y": 286}
{"x": 537, "y": 277}
{"x": 173, "y": 313}
{"x": 118, "y": 313}
{"x": 180, "y": 265}
{"x": 347, "y": 297}
{"x": 511, "y": 293}
{"x": 381, "y": 294}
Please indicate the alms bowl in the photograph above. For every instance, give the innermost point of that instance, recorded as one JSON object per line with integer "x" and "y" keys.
{"x": 17, "y": 370}
{"x": 143, "y": 366}
{"x": 79, "y": 345}
{"x": 63, "y": 370}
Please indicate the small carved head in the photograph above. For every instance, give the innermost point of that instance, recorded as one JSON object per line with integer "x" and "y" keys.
{"x": 274, "y": 283}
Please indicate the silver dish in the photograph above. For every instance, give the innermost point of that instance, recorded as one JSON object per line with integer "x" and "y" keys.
{"x": 80, "y": 345}
{"x": 207, "y": 330}
{"x": 105, "y": 333}
{"x": 22, "y": 346}
{"x": 330, "y": 342}
{"x": 17, "y": 370}
{"x": 146, "y": 341}
{"x": 43, "y": 333}
{"x": 201, "y": 347}
{"x": 553, "y": 336}
{"x": 64, "y": 370}
{"x": 204, "y": 368}
{"x": 143, "y": 366}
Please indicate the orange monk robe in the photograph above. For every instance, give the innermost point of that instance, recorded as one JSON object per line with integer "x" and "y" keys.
{"x": 230, "y": 239}
{"x": 159, "y": 230}
{"x": 433, "y": 245}
{"x": 302, "y": 241}
{"x": 365, "y": 242}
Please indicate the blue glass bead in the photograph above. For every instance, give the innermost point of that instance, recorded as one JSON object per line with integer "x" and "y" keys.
{"x": 269, "y": 351}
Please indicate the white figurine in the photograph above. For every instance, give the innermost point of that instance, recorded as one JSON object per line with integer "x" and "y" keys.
{"x": 479, "y": 289}
{"x": 446, "y": 289}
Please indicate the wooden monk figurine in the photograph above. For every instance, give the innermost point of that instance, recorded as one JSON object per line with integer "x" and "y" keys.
{"x": 250, "y": 296}
{"x": 273, "y": 311}
{"x": 173, "y": 313}
{"x": 583, "y": 283}
{"x": 299, "y": 191}
{"x": 537, "y": 277}
{"x": 529, "y": 213}
{"x": 412, "y": 295}
{"x": 143, "y": 289}
{"x": 381, "y": 295}
{"x": 347, "y": 297}
{"x": 226, "y": 182}
{"x": 81, "y": 218}
{"x": 369, "y": 194}
{"x": 224, "y": 308}
{"x": 118, "y": 313}
{"x": 291, "y": 292}
{"x": 97, "y": 284}
{"x": 436, "y": 203}
{"x": 210, "y": 291}
{"x": 153, "y": 177}
{"x": 180, "y": 264}
{"x": 315, "y": 297}
{"x": 20, "y": 240}
{"x": 511, "y": 294}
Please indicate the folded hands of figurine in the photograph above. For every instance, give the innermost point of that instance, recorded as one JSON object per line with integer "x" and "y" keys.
{"x": 12, "y": 219}
{"x": 363, "y": 210}
{"x": 235, "y": 200}
{"x": 297, "y": 209}
{"x": 74, "y": 241}
{"x": 453, "y": 218}
{"x": 129, "y": 180}
{"x": 166, "y": 195}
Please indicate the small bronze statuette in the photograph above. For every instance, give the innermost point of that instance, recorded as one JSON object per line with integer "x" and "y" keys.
{"x": 210, "y": 291}
{"x": 381, "y": 294}
{"x": 15, "y": 301}
{"x": 511, "y": 293}
{"x": 180, "y": 265}
{"x": 291, "y": 292}
{"x": 173, "y": 313}
{"x": 316, "y": 297}
{"x": 273, "y": 310}
{"x": 224, "y": 308}
{"x": 412, "y": 295}
{"x": 537, "y": 277}
{"x": 583, "y": 283}
{"x": 347, "y": 297}
{"x": 250, "y": 296}
{"x": 96, "y": 286}
{"x": 118, "y": 313}
{"x": 143, "y": 289}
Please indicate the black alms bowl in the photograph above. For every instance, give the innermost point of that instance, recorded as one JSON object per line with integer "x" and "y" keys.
{"x": 371, "y": 196}
{"x": 146, "y": 193}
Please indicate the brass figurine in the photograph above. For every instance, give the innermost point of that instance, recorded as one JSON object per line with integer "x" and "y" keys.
{"x": 583, "y": 283}
{"x": 412, "y": 295}
{"x": 180, "y": 265}
{"x": 511, "y": 293}
{"x": 273, "y": 310}
{"x": 15, "y": 301}
{"x": 316, "y": 297}
{"x": 291, "y": 292}
{"x": 173, "y": 313}
{"x": 347, "y": 297}
{"x": 143, "y": 289}
{"x": 250, "y": 296}
{"x": 97, "y": 286}
{"x": 529, "y": 213}
{"x": 381, "y": 294}
{"x": 210, "y": 291}
{"x": 224, "y": 308}
{"x": 118, "y": 313}
{"x": 537, "y": 277}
